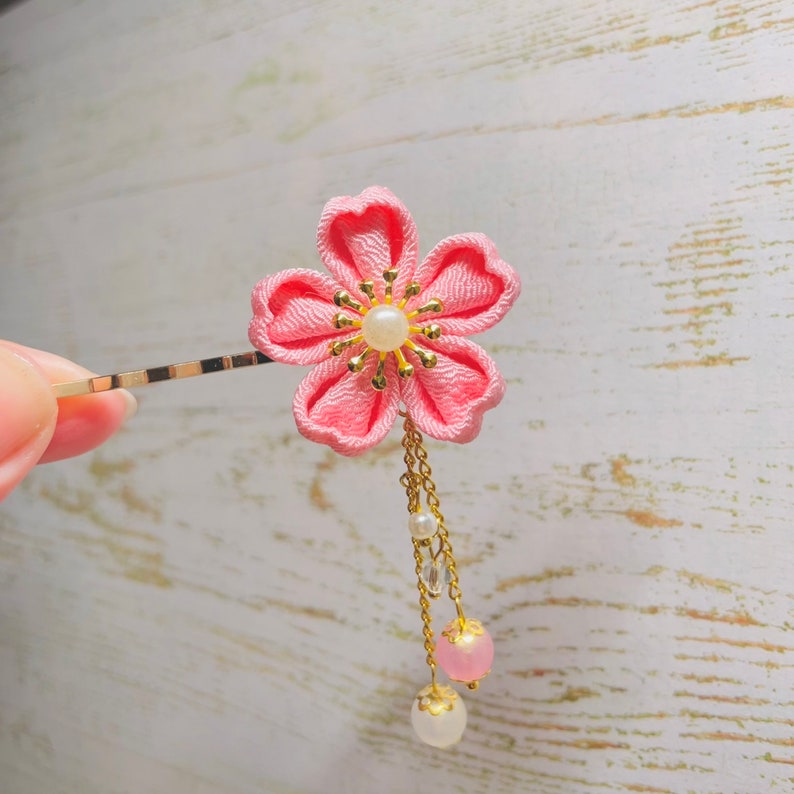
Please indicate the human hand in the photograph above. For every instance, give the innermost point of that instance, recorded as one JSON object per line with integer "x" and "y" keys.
{"x": 37, "y": 428}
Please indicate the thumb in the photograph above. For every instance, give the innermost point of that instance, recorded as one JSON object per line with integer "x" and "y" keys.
{"x": 28, "y": 413}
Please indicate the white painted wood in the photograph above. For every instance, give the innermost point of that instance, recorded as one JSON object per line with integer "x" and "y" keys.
{"x": 212, "y": 604}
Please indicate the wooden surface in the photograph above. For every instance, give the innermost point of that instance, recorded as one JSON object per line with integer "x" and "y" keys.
{"x": 203, "y": 605}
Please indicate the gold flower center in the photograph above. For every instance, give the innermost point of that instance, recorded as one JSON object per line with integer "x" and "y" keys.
{"x": 385, "y": 328}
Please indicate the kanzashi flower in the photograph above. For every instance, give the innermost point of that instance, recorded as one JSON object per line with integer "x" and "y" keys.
{"x": 385, "y": 329}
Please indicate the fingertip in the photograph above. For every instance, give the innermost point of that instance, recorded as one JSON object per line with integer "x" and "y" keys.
{"x": 28, "y": 413}
{"x": 84, "y": 422}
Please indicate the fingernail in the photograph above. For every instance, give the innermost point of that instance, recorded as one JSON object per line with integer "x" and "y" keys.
{"x": 130, "y": 405}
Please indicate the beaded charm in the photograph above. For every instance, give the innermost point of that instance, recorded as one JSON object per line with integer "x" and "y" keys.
{"x": 387, "y": 334}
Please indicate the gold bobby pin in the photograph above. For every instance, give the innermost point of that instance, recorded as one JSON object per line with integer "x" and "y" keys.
{"x": 140, "y": 377}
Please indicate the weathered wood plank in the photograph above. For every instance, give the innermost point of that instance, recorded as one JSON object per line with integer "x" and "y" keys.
{"x": 210, "y": 603}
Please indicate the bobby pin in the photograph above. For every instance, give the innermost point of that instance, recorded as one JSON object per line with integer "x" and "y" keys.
{"x": 140, "y": 377}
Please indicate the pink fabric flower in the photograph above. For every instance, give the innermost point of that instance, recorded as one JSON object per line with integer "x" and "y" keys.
{"x": 384, "y": 329}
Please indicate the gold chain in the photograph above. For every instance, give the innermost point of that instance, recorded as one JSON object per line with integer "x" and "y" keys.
{"x": 412, "y": 480}
{"x": 412, "y": 483}
{"x": 424, "y": 603}
{"x": 433, "y": 502}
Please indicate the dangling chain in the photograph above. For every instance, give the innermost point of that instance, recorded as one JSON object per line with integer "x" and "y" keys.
{"x": 424, "y": 603}
{"x": 417, "y": 479}
{"x": 444, "y": 546}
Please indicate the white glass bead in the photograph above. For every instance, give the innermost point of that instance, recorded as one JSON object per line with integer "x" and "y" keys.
{"x": 422, "y": 525}
{"x": 440, "y": 730}
{"x": 385, "y": 328}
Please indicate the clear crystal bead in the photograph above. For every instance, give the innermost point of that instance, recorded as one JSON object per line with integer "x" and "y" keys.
{"x": 436, "y": 578}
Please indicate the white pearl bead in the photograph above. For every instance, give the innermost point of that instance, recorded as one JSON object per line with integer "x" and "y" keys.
{"x": 440, "y": 730}
{"x": 422, "y": 525}
{"x": 385, "y": 328}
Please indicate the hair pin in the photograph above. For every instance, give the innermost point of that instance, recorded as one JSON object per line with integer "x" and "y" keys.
{"x": 387, "y": 335}
{"x": 140, "y": 377}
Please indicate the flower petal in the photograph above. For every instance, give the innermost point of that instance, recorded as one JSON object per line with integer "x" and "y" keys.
{"x": 361, "y": 236}
{"x": 340, "y": 408}
{"x": 476, "y": 286}
{"x": 293, "y": 313}
{"x": 448, "y": 401}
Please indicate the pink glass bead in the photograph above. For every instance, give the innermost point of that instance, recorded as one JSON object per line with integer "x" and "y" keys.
{"x": 467, "y": 655}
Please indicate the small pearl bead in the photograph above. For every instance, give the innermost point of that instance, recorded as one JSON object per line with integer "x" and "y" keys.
{"x": 385, "y": 328}
{"x": 440, "y": 730}
{"x": 422, "y": 525}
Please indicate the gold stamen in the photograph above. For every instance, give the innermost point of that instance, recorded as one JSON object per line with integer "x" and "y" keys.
{"x": 432, "y": 331}
{"x": 428, "y": 360}
{"x": 379, "y": 380}
{"x": 389, "y": 277}
{"x": 433, "y": 305}
{"x": 403, "y": 367}
{"x": 368, "y": 288}
{"x": 336, "y": 348}
{"x": 342, "y": 320}
{"x": 343, "y": 298}
{"x": 356, "y": 364}
{"x": 410, "y": 290}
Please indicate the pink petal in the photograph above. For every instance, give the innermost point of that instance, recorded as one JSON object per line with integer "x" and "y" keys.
{"x": 340, "y": 408}
{"x": 448, "y": 401}
{"x": 476, "y": 287}
{"x": 293, "y": 310}
{"x": 361, "y": 236}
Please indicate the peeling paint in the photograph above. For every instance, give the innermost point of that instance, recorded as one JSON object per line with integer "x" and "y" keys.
{"x": 645, "y": 518}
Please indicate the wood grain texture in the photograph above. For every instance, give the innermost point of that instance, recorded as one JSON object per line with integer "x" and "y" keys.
{"x": 212, "y": 604}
